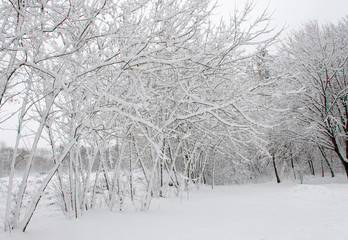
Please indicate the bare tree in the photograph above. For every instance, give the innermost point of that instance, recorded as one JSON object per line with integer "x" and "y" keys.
{"x": 318, "y": 56}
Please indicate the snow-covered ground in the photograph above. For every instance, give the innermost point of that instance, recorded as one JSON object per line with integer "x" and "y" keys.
{"x": 316, "y": 210}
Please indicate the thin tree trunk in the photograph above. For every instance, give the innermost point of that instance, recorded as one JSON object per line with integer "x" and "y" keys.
{"x": 139, "y": 158}
{"x": 311, "y": 167}
{"x": 323, "y": 153}
{"x": 8, "y": 223}
{"x": 116, "y": 187}
{"x": 293, "y": 164}
{"x": 89, "y": 171}
{"x": 275, "y": 168}
{"x": 72, "y": 183}
{"x": 24, "y": 182}
{"x": 43, "y": 186}
{"x": 131, "y": 172}
{"x": 60, "y": 174}
{"x": 162, "y": 159}
{"x": 344, "y": 161}
{"x": 161, "y": 177}
{"x": 213, "y": 174}
{"x": 77, "y": 182}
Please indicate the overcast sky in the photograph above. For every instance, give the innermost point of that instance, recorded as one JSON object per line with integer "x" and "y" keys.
{"x": 293, "y": 13}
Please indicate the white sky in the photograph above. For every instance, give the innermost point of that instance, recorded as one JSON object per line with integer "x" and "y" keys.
{"x": 293, "y": 13}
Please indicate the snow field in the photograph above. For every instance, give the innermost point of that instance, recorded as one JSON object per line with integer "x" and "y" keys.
{"x": 268, "y": 211}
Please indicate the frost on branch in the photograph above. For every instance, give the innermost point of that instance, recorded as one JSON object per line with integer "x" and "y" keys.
{"x": 137, "y": 99}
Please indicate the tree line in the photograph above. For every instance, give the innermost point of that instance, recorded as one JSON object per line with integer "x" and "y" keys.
{"x": 134, "y": 97}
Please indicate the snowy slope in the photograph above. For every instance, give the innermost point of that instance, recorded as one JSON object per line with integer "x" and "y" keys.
{"x": 316, "y": 210}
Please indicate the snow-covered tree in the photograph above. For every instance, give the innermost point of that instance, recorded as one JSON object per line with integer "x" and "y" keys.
{"x": 132, "y": 89}
{"x": 317, "y": 59}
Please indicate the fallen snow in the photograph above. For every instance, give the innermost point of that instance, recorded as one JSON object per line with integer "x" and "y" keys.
{"x": 315, "y": 210}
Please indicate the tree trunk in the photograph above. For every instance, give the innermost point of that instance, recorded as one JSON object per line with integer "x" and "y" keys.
{"x": 161, "y": 178}
{"x": 323, "y": 153}
{"x": 275, "y": 168}
{"x": 31, "y": 209}
{"x": 339, "y": 154}
{"x": 293, "y": 164}
{"x": 213, "y": 174}
{"x": 311, "y": 167}
{"x": 345, "y": 164}
{"x": 131, "y": 173}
